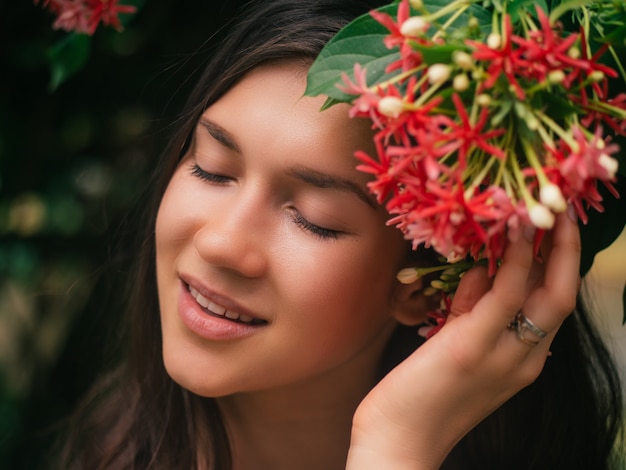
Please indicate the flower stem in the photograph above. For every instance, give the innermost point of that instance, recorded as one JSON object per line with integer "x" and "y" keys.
{"x": 531, "y": 157}
{"x": 450, "y": 20}
{"x": 558, "y": 130}
{"x": 450, "y": 8}
{"x": 521, "y": 183}
{"x": 396, "y": 79}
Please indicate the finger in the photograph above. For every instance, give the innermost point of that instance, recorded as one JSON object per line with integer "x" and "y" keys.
{"x": 474, "y": 284}
{"x": 549, "y": 304}
{"x": 498, "y": 306}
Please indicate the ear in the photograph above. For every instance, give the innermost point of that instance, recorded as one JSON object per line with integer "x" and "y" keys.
{"x": 411, "y": 304}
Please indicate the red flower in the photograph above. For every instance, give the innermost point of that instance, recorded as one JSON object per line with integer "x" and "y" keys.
{"x": 436, "y": 318}
{"x": 502, "y": 61}
{"x": 409, "y": 57}
{"x": 581, "y": 166}
{"x": 546, "y": 50}
{"x": 84, "y": 16}
{"x": 107, "y": 11}
{"x": 366, "y": 102}
{"x": 591, "y": 65}
{"x": 468, "y": 136}
{"x": 597, "y": 111}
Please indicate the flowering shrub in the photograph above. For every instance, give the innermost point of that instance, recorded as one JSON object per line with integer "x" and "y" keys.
{"x": 489, "y": 118}
{"x": 81, "y": 19}
{"x": 84, "y": 16}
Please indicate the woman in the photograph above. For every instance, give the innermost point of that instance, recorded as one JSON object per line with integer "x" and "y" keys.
{"x": 266, "y": 327}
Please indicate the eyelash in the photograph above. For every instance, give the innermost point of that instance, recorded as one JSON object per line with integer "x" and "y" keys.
{"x": 321, "y": 232}
{"x": 210, "y": 177}
{"x": 298, "y": 218}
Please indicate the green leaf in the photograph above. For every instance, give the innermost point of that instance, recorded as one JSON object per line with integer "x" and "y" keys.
{"x": 516, "y": 6}
{"x": 603, "y": 228}
{"x": 67, "y": 57}
{"x": 362, "y": 41}
{"x": 436, "y": 54}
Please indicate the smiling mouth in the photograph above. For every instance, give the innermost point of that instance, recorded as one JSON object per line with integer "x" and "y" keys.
{"x": 219, "y": 311}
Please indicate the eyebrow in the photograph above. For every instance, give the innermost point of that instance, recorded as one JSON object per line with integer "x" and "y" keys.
{"x": 310, "y": 176}
{"x": 220, "y": 134}
{"x": 324, "y": 180}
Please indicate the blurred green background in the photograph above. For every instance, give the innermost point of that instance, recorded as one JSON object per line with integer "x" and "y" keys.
{"x": 72, "y": 164}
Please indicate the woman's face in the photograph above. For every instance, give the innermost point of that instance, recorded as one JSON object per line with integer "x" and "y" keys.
{"x": 274, "y": 266}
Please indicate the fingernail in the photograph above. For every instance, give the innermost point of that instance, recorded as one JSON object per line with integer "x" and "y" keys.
{"x": 529, "y": 233}
{"x": 571, "y": 213}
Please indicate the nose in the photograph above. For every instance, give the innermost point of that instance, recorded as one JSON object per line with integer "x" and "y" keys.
{"x": 235, "y": 234}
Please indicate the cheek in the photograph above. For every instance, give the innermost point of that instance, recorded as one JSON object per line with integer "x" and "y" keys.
{"x": 348, "y": 288}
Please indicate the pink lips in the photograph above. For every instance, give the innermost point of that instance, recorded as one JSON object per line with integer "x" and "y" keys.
{"x": 214, "y": 326}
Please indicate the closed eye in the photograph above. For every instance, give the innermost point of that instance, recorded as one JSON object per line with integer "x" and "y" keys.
{"x": 210, "y": 177}
{"x": 321, "y": 232}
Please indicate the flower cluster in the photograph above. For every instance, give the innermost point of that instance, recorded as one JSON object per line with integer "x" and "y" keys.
{"x": 84, "y": 16}
{"x": 481, "y": 136}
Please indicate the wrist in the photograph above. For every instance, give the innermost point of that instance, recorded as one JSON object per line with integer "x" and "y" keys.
{"x": 374, "y": 456}
{"x": 377, "y": 444}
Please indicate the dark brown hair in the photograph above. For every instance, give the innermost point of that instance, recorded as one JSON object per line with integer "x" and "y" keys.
{"x": 136, "y": 417}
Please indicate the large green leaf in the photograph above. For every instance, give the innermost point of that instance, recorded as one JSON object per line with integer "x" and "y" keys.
{"x": 361, "y": 42}
{"x": 67, "y": 57}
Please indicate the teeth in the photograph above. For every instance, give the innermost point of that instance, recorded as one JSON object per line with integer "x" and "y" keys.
{"x": 231, "y": 315}
{"x": 215, "y": 308}
{"x": 202, "y": 300}
{"x": 218, "y": 309}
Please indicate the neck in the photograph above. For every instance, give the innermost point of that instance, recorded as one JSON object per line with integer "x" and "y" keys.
{"x": 304, "y": 426}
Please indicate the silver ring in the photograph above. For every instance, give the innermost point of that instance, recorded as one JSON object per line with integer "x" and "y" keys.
{"x": 521, "y": 324}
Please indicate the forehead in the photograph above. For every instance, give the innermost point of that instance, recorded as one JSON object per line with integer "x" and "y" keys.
{"x": 267, "y": 112}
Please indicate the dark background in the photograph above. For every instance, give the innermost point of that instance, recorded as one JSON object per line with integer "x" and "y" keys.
{"x": 73, "y": 163}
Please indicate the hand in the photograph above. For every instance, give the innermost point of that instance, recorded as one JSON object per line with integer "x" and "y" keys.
{"x": 423, "y": 407}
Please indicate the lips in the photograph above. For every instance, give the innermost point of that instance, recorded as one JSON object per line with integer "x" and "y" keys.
{"x": 217, "y": 305}
{"x": 215, "y": 309}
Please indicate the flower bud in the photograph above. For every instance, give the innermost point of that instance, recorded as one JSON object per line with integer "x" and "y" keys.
{"x": 438, "y": 284}
{"x": 454, "y": 257}
{"x": 460, "y": 82}
{"x": 596, "y": 76}
{"x": 551, "y": 195}
{"x": 541, "y": 216}
{"x": 438, "y": 74}
{"x": 478, "y": 74}
{"x": 416, "y": 4}
{"x": 429, "y": 291}
{"x": 408, "y": 275}
{"x": 390, "y": 106}
{"x": 494, "y": 40}
{"x": 532, "y": 122}
{"x": 414, "y": 26}
{"x": 556, "y": 76}
{"x": 573, "y": 52}
{"x": 609, "y": 163}
{"x": 463, "y": 60}
{"x": 483, "y": 99}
